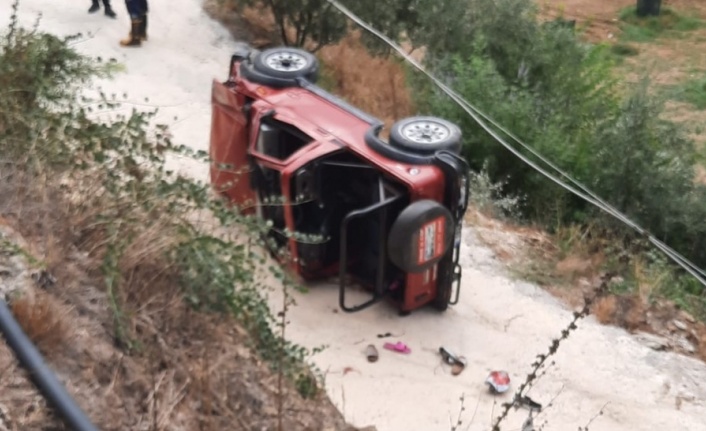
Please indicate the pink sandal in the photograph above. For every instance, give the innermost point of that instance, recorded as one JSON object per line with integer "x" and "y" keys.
{"x": 398, "y": 347}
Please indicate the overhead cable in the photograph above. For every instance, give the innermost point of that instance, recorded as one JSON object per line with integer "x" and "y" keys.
{"x": 578, "y": 189}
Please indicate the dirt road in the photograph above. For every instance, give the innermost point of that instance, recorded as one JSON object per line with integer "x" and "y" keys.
{"x": 499, "y": 323}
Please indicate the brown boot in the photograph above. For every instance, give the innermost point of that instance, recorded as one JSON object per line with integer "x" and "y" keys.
{"x": 133, "y": 38}
{"x": 143, "y": 28}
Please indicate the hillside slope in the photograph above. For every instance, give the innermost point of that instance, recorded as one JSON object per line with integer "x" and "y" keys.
{"x": 499, "y": 323}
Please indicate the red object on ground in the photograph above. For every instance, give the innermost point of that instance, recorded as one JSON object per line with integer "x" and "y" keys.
{"x": 499, "y": 381}
{"x": 398, "y": 347}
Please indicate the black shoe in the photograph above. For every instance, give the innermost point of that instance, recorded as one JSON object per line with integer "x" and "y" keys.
{"x": 94, "y": 8}
{"x": 109, "y": 13}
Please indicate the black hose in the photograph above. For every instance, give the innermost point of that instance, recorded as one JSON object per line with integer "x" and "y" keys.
{"x": 43, "y": 377}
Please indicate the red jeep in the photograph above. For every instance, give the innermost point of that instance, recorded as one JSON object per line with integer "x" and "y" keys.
{"x": 388, "y": 214}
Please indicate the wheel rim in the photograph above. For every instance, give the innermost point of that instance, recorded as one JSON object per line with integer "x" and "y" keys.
{"x": 286, "y": 61}
{"x": 425, "y": 132}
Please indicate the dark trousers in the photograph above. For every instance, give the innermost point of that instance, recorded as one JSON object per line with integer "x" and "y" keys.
{"x": 106, "y": 3}
{"x": 136, "y": 8}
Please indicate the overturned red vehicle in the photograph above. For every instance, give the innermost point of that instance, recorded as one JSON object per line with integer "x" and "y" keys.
{"x": 389, "y": 213}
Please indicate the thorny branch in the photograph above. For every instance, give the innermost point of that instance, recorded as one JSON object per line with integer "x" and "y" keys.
{"x": 600, "y": 412}
{"x": 553, "y": 348}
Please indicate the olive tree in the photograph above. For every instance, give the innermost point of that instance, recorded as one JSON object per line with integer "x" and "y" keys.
{"x": 316, "y": 23}
{"x": 302, "y": 22}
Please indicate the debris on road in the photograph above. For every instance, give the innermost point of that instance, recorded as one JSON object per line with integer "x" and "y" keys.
{"x": 498, "y": 381}
{"x": 458, "y": 363}
{"x": 371, "y": 352}
{"x": 398, "y": 347}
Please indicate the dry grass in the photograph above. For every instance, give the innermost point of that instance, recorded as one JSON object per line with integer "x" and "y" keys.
{"x": 375, "y": 84}
{"x": 183, "y": 370}
{"x": 250, "y": 25}
{"x": 43, "y": 320}
{"x": 21, "y": 406}
{"x": 186, "y": 370}
{"x": 625, "y": 311}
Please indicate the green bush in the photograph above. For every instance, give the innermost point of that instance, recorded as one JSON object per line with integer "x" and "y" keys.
{"x": 558, "y": 95}
{"x": 646, "y": 29}
{"x": 624, "y": 50}
{"x": 128, "y": 211}
{"x": 692, "y": 91}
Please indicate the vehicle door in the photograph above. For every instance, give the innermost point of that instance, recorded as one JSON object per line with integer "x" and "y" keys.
{"x": 230, "y": 123}
{"x": 273, "y": 142}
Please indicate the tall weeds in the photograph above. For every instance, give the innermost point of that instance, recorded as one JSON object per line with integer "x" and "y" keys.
{"x": 105, "y": 188}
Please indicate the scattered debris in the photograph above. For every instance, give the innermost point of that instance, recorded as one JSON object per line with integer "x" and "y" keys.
{"x": 398, "y": 347}
{"x": 347, "y": 370}
{"x": 390, "y": 334}
{"x": 371, "y": 352}
{"x": 688, "y": 317}
{"x": 685, "y": 345}
{"x": 679, "y": 324}
{"x": 652, "y": 341}
{"x": 498, "y": 381}
{"x": 458, "y": 363}
{"x": 458, "y": 366}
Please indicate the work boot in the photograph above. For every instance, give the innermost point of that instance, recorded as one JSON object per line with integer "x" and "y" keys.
{"x": 109, "y": 12}
{"x": 143, "y": 28}
{"x": 94, "y": 7}
{"x": 133, "y": 38}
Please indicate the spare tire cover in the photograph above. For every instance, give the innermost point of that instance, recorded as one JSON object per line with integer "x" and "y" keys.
{"x": 421, "y": 236}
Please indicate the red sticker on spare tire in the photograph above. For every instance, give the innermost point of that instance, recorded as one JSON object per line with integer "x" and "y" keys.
{"x": 431, "y": 240}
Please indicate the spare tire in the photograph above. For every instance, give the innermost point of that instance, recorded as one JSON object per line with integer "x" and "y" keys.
{"x": 287, "y": 63}
{"x": 420, "y": 236}
{"x": 425, "y": 135}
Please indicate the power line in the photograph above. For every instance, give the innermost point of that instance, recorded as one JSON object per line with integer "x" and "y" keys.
{"x": 579, "y": 190}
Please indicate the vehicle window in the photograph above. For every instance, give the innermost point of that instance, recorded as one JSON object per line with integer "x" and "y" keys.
{"x": 280, "y": 140}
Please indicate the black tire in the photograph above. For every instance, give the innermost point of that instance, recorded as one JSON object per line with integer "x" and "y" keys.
{"x": 444, "y": 288}
{"x": 443, "y": 296}
{"x": 287, "y": 63}
{"x": 425, "y": 135}
{"x": 404, "y": 242}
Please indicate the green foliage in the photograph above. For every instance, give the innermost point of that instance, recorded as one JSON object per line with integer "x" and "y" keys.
{"x": 559, "y": 95}
{"x": 624, "y": 50}
{"x": 656, "y": 162}
{"x": 301, "y": 21}
{"x": 645, "y": 29}
{"x": 313, "y": 24}
{"x": 37, "y": 72}
{"x": 488, "y": 197}
{"x": 692, "y": 91}
{"x": 133, "y": 214}
{"x": 554, "y": 101}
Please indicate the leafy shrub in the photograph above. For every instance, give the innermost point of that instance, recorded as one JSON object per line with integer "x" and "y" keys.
{"x": 646, "y": 29}
{"x": 692, "y": 91}
{"x": 558, "y": 95}
{"x": 624, "y": 50}
{"x": 128, "y": 212}
{"x": 487, "y": 196}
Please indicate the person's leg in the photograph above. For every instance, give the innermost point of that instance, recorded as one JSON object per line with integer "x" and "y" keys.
{"x": 94, "y": 6}
{"x": 108, "y": 10}
{"x": 133, "y": 8}
{"x": 143, "y": 25}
